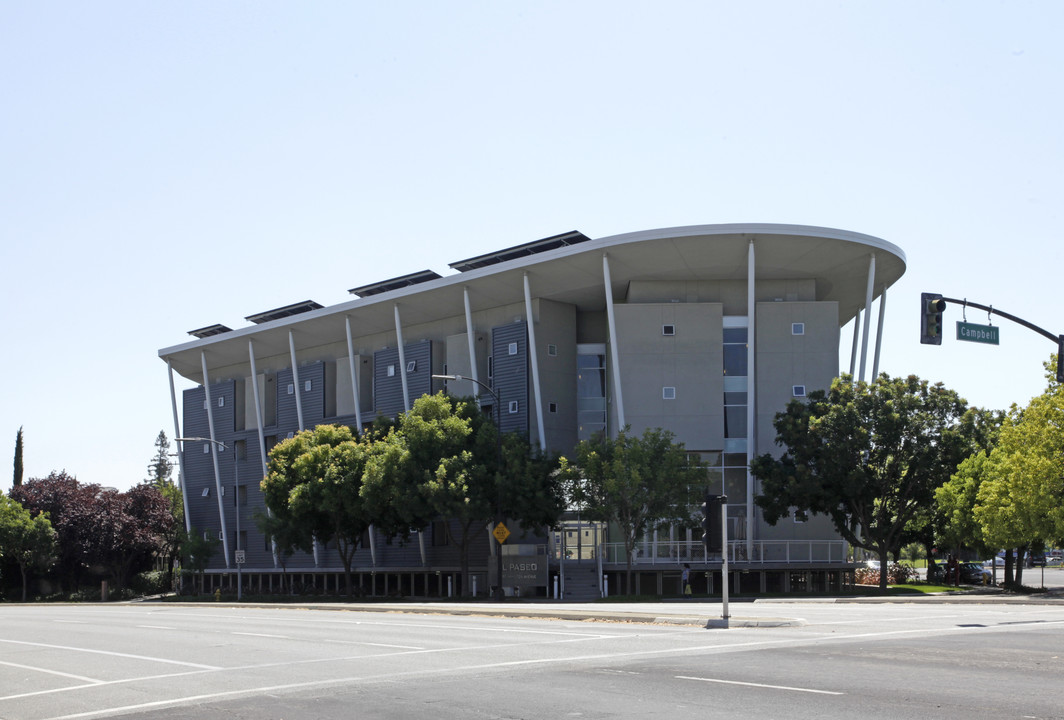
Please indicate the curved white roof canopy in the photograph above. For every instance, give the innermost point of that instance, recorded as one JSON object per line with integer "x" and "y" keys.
{"x": 836, "y": 259}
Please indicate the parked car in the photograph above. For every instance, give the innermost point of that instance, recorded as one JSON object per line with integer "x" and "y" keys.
{"x": 974, "y": 574}
{"x": 1036, "y": 559}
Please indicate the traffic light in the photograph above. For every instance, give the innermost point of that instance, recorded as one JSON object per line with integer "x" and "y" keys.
{"x": 931, "y": 307}
{"x": 711, "y": 523}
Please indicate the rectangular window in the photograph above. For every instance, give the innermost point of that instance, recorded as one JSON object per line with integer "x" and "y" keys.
{"x": 552, "y": 350}
{"x": 207, "y": 535}
{"x": 798, "y": 390}
{"x": 291, "y": 389}
{"x": 411, "y": 366}
{"x": 221, "y": 401}
{"x": 513, "y": 406}
{"x": 240, "y": 497}
{"x": 668, "y": 393}
{"x": 797, "y": 328}
{"x": 668, "y": 329}
{"x": 511, "y": 349}
{"x": 391, "y": 371}
{"x": 552, "y": 407}
{"x": 206, "y": 448}
{"x": 306, "y": 386}
{"x": 206, "y": 492}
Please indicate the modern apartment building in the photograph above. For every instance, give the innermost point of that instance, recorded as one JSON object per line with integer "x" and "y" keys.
{"x": 706, "y": 331}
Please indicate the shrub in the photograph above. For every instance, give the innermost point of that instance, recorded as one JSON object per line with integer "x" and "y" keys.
{"x": 897, "y": 574}
{"x": 152, "y": 582}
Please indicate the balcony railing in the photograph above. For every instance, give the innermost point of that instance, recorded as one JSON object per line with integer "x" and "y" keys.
{"x": 763, "y": 551}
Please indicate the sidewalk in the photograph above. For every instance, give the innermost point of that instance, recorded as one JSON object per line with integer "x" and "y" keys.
{"x": 702, "y": 613}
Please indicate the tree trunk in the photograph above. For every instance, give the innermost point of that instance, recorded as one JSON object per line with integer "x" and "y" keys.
{"x": 1008, "y": 567}
{"x": 22, "y": 569}
{"x": 884, "y": 568}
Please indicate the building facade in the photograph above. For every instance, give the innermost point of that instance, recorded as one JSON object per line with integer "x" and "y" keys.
{"x": 706, "y": 331}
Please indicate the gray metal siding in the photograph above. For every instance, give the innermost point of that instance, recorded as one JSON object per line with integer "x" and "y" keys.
{"x": 388, "y": 390}
{"x": 510, "y": 375}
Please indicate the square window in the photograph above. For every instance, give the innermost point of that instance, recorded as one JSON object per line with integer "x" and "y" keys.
{"x": 511, "y": 349}
{"x": 552, "y": 350}
{"x": 668, "y": 329}
{"x": 306, "y": 386}
{"x": 513, "y": 406}
{"x": 291, "y": 389}
{"x": 798, "y": 390}
{"x": 391, "y": 371}
{"x": 668, "y": 393}
{"x": 411, "y": 366}
{"x": 797, "y": 328}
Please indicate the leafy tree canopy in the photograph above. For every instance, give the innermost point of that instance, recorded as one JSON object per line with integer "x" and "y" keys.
{"x": 869, "y": 456}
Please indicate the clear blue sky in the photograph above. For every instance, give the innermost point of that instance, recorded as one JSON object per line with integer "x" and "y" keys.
{"x": 166, "y": 166}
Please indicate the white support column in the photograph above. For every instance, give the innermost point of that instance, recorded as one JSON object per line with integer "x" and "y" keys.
{"x": 180, "y": 454}
{"x": 295, "y": 381}
{"x": 373, "y": 545}
{"x": 856, "y": 338}
{"x": 471, "y": 337}
{"x": 354, "y": 373}
{"x": 214, "y": 457}
{"x": 868, "y": 313}
{"x": 262, "y": 434}
{"x": 402, "y": 358}
{"x": 421, "y": 546}
{"x": 751, "y": 392}
{"x": 879, "y": 333}
{"x": 615, "y": 355}
{"x": 258, "y": 406}
{"x": 534, "y": 360}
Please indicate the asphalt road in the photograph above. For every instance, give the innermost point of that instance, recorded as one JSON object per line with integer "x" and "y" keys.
{"x": 987, "y": 659}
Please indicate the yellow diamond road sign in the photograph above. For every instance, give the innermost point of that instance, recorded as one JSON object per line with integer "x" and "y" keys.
{"x": 501, "y": 533}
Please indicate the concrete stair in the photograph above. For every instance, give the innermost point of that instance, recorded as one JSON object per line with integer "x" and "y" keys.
{"x": 581, "y": 582}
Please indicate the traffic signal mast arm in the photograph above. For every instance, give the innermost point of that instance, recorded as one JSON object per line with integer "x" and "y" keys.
{"x": 1013, "y": 318}
{"x": 1058, "y": 339}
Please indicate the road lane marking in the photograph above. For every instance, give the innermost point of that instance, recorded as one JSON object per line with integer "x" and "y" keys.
{"x": 82, "y": 678}
{"x": 112, "y": 654}
{"x": 759, "y": 685}
{"x": 262, "y": 635}
{"x": 372, "y": 644}
{"x": 156, "y": 627}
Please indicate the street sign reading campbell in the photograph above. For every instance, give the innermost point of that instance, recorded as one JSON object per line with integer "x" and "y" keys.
{"x": 970, "y": 332}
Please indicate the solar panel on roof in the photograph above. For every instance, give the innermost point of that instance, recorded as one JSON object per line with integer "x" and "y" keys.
{"x": 395, "y": 283}
{"x": 512, "y": 253}
{"x": 209, "y": 331}
{"x": 283, "y": 312}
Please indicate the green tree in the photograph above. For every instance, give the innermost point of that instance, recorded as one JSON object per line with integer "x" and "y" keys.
{"x": 637, "y": 482}
{"x": 18, "y": 459}
{"x": 160, "y": 472}
{"x": 1018, "y": 502}
{"x": 956, "y": 502}
{"x": 441, "y": 461}
{"x": 313, "y": 487}
{"x": 26, "y": 539}
{"x": 196, "y": 549}
{"x": 869, "y": 456}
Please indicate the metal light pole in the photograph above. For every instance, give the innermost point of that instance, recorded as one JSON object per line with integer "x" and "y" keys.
{"x": 236, "y": 505}
{"x": 498, "y": 460}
